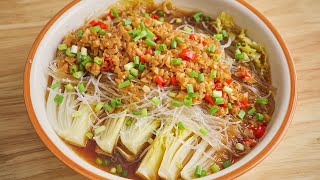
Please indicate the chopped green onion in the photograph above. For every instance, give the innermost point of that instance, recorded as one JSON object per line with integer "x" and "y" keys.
{"x": 136, "y": 60}
{"x": 162, "y": 47}
{"x": 81, "y": 88}
{"x": 77, "y": 74}
{"x": 144, "y": 112}
{"x": 239, "y": 146}
{"x": 177, "y": 61}
{"x": 146, "y": 15}
{"x": 215, "y": 57}
{"x": 106, "y": 162}
{"x": 197, "y": 16}
{"x": 150, "y": 42}
{"x": 81, "y": 67}
{"x": 203, "y": 131}
{"x": 226, "y": 164}
{"x": 129, "y": 66}
{"x": 126, "y": 22}
{"x": 125, "y": 173}
{"x": 214, "y": 110}
{"x": 128, "y": 122}
{"x": 181, "y": 125}
{"x": 62, "y": 47}
{"x": 150, "y": 34}
{"x": 134, "y": 72}
{"x": 55, "y": 85}
{"x": 155, "y": 101}
{"x": 173, "y": 44}
{"x": 259, "y": 117}
{"x": 113, "y": 170}
{"x": 229, "y": 105}
{"x": 219, "y": 100}
{"x": 227, "y": 90}
{"x": 176, "y": 103}
{"x": 215, "y": 168}
{"x": 142, "y": 26}
{"x": 241, "y": 114}
{"x": 179, "y": 40}
{"x": 156, "y": 22}
{"x": 89, "y": 135}
{"x": 102, "y": 33}
{"x": 86, "y": 59}
{"x": 239, "y": 56}
{"x": 119, "y": 169}
{"x": 252, "y": 111}
{"x": 107, "y": 107}
{"x": 172, "y": 94}
{"x": 218, "y": 37}
{"x": 114, "y": 13}
{"x": 189, "y": 88}
{"x": 97, "y": 60}
{"x": 118, "y": 101}
{"x": 69, "y": 53}
{"x": 99, "y": 129}
{"x": 217, "y": 94}
{"x": 160, "y": 13}
{"x": 115, "y": 102}
{"x": 187, "y": 101}
{"x": 141, "y": 66}
{"x": 213, "y": 74}
{"x": 79, "y": 57}
{"x": 203, "y": 173}
{"x": 135, "y": 32}
{"x": 96, "y": 28}
{"x": 238, "y": 45}
{"x": 193, "y": 95}
{"x": 178, "y": 20}
{"x": 68, "y": 87}
{"x": 201, "y": 78}
{"x": 79, "y": 33}
{"x": 193, "y": 74}
{"x": 187, "y": 29}
{"x": 142, "y": 34}
{"x": 197, "y": 172}
{"x": 98, "y": 107}
{"x": 161, "y": 19}
{"x": 136, "y": 113}
{"x": 156, "y": 52}
{"x": 262, "y": 100}
{"x": 124, "y": 84}
{"x": 73, "y": 68}
{"x": 98, "y": 161}
{"x": 130, "y": 77}
{"x": 211, "y": 49}
{"x": 58, "y": 99}
{"x": 224, "y": 33}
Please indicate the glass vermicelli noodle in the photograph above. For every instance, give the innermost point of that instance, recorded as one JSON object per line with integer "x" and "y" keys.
{"x": 148, "y": 91}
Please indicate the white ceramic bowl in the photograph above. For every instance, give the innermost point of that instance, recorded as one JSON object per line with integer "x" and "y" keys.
{"x": 74, "y": 15}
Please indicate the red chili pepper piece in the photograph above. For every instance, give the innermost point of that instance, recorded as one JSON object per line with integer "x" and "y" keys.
{"x": 265, "y": 124}
{"x": 209, "y": 99}
{"x": 204, "y": 43}
{"x": 142, "y": 59}
{"x": 160, "y": 81}
{"x": 102, "y": 25}
{"x": 218, "y": 85}
{"x": 243, "y": 103}
{"x": 93, "y": 23}
{"x": 155, "y": 16}
{"x": 251, "y": 142}
{"x": 150, "y": 52}
{"x": 155, "y": 38}
{"x": 192, "y": 37}
{"x": 224, "y": 95}
{"x": 229, "y": 81}
{"x": 107, "y": 65}
{"x": 110, "y": 15}
{"x": 173, "y": 81}
{"x": 187, "y": 55}
{"x": 247, "y": 75}
{"x": 259, "y": 131}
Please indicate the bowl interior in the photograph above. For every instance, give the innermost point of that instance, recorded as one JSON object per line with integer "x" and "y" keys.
{"x": 76, "y": 16}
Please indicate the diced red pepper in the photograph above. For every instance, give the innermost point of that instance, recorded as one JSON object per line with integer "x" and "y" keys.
{"x": 229, "y": 81}
{"x": 102, "y": 25}
{"x": 259, "y": 131}
{"x": 173, "y": 81}
{"x": 209, "y": 99}
{"x": 247, "y": 75}
{"x": 155, "y": 16}
{"x": 150, "y": 52}
{"x": 265, "y": 124}
{"x": 93, "y": 23}
{"x": 192, "y": 37}
{"x": 110, "y": 15}
{"x": 107, "y": 65}
{"x": 251, "y": 142}
{"x": 155, "y": 38}
{"x": 204, "y": 43}
{"x": 224, "y": 95}
{"x": 218, "y": 85}
{"x": 142, "y": 59}
{"x": 187, "y": 55}
{"x": 160, "y": 81}
{"x": 243, "y": 103}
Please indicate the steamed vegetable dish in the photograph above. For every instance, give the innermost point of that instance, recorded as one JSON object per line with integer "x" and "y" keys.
{"x": 151, "y": 91}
